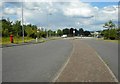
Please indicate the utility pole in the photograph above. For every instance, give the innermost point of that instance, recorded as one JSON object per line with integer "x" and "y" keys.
{"x": 22, "y": 23}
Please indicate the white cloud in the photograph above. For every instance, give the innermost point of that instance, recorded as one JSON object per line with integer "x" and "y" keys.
{"x": 9, "y": 11}
{"x": 78, "y": 9}
{"x": 107, "y": 13}
{"x": 110, "y": 9}
{"x": 61, "y": 14}
{"x": 0, "y": 4}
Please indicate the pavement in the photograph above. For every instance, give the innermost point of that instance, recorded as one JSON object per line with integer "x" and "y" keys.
{"x": 108, "y": 51}
{"x": 30, "y": 42}
{"x": 25, "y": 43}
{"x": 85, "y": 65}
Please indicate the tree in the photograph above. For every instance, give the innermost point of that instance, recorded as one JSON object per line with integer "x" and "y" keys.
{"x": 66, "y": 31}
{"x": 29, "y": 31}
{"x": 110, "y": 33}
{"x": 113, "y": 34}
{"x": 76, "y": 32}
{"x": 59, "y": 32}
{"x": 71, "y": 31}
{"x": 86, "y": 33}
{"x": 17, "y": 28}
{"x": 81, "y": 31}
{"x": 6, "y": 27}
{"x": 105, "y": 33}
{"x": 118, "y": 33}
{"x": 49, "y": 33}
{"x": 109, "y": 25}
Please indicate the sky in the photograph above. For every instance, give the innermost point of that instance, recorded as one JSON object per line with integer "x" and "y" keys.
{"x": 58, "y": 15}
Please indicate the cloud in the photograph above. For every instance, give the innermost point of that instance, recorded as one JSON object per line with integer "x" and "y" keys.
{"x": 9, "y": 11}
{"x": 107, "y": 13}
{"x": 110, "y": 9}
{"x": 0, "y": 4}
{"x": 64, "y": 14}
{"x": 78, "y": 9}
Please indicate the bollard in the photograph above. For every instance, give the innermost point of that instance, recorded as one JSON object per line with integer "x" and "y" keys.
{"x": 36, "y": 40}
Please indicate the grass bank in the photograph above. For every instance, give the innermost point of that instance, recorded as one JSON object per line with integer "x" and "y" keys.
{"x": 107, "y": 40}
{"x": 6, "y": 40}
{"x": 17, "y": 40}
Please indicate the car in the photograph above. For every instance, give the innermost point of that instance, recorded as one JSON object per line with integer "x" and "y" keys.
{"x": 64, "y": 36}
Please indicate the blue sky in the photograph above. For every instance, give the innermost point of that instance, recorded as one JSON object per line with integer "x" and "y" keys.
{"x": 103, "y": 4}
{"x": 58, "y": 15}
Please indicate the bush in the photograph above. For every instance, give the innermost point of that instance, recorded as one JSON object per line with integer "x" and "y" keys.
{"x": 105, "y": 33}
{"x": 110, "y": 34}
{"x": 113, "y": 34}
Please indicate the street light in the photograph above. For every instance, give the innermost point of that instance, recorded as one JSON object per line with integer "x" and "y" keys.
{"x": 49, "y": 25}
{"x": 74, "y": 32}
{"x": 56, "y": 33}
{"x": 37, "y": 36}
{"x": 22, "y": 22}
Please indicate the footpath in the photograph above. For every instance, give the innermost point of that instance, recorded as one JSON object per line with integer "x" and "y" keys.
{"x": 25, "y": 43}
{"x": 16, "y": 44}
{"x": 85, "y": 65}
{"x": 30, "y": 42}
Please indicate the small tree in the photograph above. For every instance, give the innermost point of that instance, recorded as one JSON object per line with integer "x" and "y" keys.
{"x": 118, "y": 33}
{"x": 86, "y": 33}
{"x": 113, "y": 34}
{"x": 81, "y": 31}
{"x": 59, "y": 32}
{"x": 17, "y": 29}
{"x": 109, "y": 34}
{"x": 66, "y": 31}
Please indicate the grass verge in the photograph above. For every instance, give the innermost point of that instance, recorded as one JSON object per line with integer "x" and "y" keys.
{"x": 107, "y": 40}
{"x": 17, "y": 40}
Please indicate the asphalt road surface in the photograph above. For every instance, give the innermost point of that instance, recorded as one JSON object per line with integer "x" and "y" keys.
{"x": 108, "y": 52}
{"x": 34, "y": 62}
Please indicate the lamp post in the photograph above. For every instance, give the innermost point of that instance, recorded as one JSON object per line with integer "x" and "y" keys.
{"x": 56, "y": 33}
{"x": 74, "y": 32}
{"x": 37, "y": 36}
{"x": 22, "y": 22}
{"x": 49, "y": 25}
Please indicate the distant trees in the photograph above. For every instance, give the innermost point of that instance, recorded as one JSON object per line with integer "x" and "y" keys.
{"x": 59, "y": 32}
{"x": 75, "y": 32}
{"x": 66, "y": 31}
{"x": 111, "y": 32}
{"x": 109, "y": 24}
{"x": 6, "y": 27}
{"x": 86, "y": 33}
{"x": 15, "y": 28}
{"x": 81, "y": 31}
{"x": 71, "y": 31}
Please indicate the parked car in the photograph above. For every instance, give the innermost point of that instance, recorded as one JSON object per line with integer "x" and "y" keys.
{"x": 64, "y": 36}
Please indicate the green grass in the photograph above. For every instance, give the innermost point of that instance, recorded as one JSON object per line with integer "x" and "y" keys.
{"x": 114, "y": 41}
{"x": 54, "y": 38}
{"x": 6, "y": 40}
{"x": 107, "y": 40}
{"x": 17, "y": 40}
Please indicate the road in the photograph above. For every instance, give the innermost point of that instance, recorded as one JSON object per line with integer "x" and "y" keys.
{"x": 34, "y": 62}
{"x": 108, "y": 52}
{"x": 41, "y": 62}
